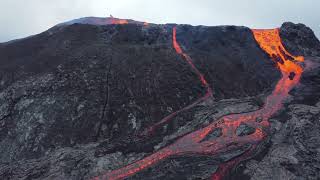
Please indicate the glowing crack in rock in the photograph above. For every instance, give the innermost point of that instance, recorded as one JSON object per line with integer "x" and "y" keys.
{"x": 194, "y": 143}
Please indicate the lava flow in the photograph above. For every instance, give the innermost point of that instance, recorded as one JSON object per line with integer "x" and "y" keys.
{"x": 197, "y": 143}
{"x": 149, "y": 131}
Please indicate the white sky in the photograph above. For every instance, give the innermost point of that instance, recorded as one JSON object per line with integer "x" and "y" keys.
{"x": 21, "y": 18}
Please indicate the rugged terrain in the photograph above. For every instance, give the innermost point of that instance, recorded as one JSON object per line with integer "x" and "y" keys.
{"x": 78, "y": 101}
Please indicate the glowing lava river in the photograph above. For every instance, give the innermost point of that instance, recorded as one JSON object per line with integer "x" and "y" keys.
{"x": 197, "y": 143}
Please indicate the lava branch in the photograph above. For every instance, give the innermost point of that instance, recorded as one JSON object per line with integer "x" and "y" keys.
{"x": 178, "y": 49}
{"x": 195, "y": 143}
{"x": 149, "y": 131}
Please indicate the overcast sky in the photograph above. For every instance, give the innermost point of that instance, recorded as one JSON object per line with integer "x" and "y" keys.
{"x": 21, "y": 18}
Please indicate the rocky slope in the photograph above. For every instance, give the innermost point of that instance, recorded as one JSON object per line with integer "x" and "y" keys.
{"x": 75, "y": 101}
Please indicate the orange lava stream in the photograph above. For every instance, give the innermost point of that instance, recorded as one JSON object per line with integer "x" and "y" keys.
{"x": 189, "y": 60}
{"x": 149, "y": 131}
{"x": 270, "y": 42}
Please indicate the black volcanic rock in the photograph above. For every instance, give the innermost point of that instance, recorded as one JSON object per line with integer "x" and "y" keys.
{"x": 86, "y": 83}
{"x": 217, "y": 132}
{"x": 294, "y": 153}
{"x": 180, "y": 167}
{"x": 299, "y": 39}
{"x": 244, "y": 129}
{"x": 74, "y": 100}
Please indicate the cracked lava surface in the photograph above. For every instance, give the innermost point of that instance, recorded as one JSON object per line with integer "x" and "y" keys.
{"x": 195, "y": 143}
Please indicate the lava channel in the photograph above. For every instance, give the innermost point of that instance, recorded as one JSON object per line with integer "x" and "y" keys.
{"x": 151, "y": 130}
{"x": 195, "y": 142}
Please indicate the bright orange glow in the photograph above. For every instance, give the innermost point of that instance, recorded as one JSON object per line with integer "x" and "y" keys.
{"x": 146, "y": 24}
{"x": 119, "y": 21}
{"x": 176, "y": 46}
{"x": 270, "y": 42}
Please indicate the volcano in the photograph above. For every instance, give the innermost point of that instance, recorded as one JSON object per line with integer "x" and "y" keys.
{"x": 108, "y": 98}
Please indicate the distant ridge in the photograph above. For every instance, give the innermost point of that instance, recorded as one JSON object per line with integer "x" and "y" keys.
{"x": 101, "y": 21}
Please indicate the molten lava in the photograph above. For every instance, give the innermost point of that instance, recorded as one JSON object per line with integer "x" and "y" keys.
{"x": 270, "y": 42}
{"x": 195, "y": 142}
{"x": 189, "y": 60}
{"x": 149, "y": 131}
{"x": 118, "y": 21}
{"x": 113, "y": 20}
